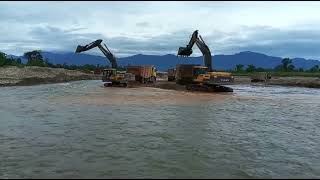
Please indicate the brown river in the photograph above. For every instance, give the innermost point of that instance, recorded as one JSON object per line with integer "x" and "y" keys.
{"x": 84, "y": 130}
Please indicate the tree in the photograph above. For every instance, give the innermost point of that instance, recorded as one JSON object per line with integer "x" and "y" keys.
{"x": 287, "y": 64}
{"x": 35, "y": 58}
{"x": 239, "y": 67}
{"x": 279, "y": 68}
{"x": 290, "y": 68}
{"x": 251, "y": 68}
{"x": 19, "y": 61}
{"x": 3, "y": 59}
{"x": 315, "y": 68}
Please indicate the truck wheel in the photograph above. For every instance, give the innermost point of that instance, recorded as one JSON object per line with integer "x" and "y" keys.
{"x": 107, "y": 84}
{"x": 188, "y": 87}
{"x": 153, "y": 80}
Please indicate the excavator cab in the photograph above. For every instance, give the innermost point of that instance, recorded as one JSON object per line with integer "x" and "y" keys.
{"x": 112, "y": 77}
{"x": 109, "y": 74}
{"x": 200, "y": 74}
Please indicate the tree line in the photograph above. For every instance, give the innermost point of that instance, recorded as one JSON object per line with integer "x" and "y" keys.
{"x": 34, "y": 58}
{"x": 285, "y": 66}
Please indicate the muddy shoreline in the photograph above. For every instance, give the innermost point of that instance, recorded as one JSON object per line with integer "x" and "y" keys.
{"x": 309, "y": 82}
{"x": 27, "y": 76}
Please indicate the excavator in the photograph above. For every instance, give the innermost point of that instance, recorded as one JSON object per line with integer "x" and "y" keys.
{"x": 111, "y": 76}
{"x": 203, "y": 78}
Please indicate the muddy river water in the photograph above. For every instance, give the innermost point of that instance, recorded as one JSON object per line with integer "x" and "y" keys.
{"x": 83, "y": 130}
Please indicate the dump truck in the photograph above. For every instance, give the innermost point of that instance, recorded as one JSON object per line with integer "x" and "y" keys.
{"x": 172, "y": 74}
{"x": 143, "y": 74}
{"x": 260, "y": 77}
{"x": 185, "y": 73}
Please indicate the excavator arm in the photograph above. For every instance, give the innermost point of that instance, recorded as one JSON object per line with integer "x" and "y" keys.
{"x": 104, "y": 50}
{"x": 197, "y": 39}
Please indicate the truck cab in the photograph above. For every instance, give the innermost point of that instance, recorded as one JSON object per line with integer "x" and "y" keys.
{"x": 171, "y": 74}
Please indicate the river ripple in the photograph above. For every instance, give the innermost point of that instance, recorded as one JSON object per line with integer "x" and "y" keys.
{"x": 83, "y": 130}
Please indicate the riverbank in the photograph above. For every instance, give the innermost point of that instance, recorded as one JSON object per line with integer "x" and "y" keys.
{"x": 32, "y": 75}
{"x": 297, "y": 81}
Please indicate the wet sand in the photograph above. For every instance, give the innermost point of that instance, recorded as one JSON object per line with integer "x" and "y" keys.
{"x": 14, "y": 76}
{"x": 112, "y": 96}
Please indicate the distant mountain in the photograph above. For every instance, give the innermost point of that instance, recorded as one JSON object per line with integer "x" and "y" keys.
{"x": 258, "y": 60}
{"x": 161, "y": 62}
{"x": 220, "y": 62}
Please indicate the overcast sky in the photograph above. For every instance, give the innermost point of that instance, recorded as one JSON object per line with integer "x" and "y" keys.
{"x": 290, "y": 29}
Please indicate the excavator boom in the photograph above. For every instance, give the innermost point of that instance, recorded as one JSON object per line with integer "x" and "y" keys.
{"x": 105, "y": 51}
{"x": 88, "y": 46}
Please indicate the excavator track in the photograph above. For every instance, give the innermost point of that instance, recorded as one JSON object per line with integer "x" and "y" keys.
{"x": 208, "y": 88}
{"x": 115, "y": 85}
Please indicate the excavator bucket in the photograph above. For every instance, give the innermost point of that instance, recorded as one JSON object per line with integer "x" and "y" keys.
{"x": 79, "y": 49}
{"x": 184, "y": 51}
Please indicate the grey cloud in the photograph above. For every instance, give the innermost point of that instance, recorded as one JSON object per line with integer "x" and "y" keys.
{"x": 55, "y": 37}
{"x": 272, "y": 41}
{"x": 277, "y": 42}
{"x": 142, "y": 24}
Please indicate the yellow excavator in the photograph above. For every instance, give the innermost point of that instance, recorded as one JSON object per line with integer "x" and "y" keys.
{"x": 203, "y": 78}
{"x": 111, "y": 76}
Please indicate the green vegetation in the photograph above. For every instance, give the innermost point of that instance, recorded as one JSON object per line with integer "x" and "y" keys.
{"x": 6, "y": 61}
{"x": 286, "y": 66}
{"x": 285, "y": 69}
{"x": 36, "y": 59}
{"x": 3, "y": 59}
{"x": 239, "y": 68}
